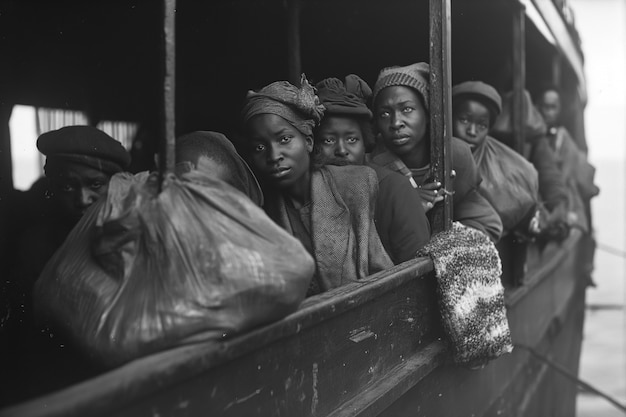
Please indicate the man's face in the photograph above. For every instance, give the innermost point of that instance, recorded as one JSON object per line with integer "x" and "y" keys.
{"x": 76, "y": 187}
{"x": 550, "y": 107}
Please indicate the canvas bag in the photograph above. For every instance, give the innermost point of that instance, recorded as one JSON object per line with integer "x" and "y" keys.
{"x": 509, "y": 182}
{"x": 145, "y": 269}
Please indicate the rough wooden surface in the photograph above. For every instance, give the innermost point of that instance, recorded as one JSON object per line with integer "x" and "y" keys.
{"x": 440, "y": 109}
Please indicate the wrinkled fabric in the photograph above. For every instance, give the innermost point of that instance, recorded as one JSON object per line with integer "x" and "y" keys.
{"x": 345, "y": 242}
{"x": 347, "y": 98}
{"x": 144, "y": 269}
{"x": 220, "y": 148}
{"x": 299, "y": 106}
{"x": 509, "y": 182}
{"x": 469, "y": 207}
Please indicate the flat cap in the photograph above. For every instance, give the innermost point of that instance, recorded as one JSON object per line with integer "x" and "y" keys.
{"x": 86, "y": 145}
{"x": 481, "y": 90}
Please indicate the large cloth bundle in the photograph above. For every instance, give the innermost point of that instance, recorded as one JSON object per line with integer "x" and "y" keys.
{"x": 471, "y": 296}
{"x": 510, "y": 182}
{"x": 145, "y": 269}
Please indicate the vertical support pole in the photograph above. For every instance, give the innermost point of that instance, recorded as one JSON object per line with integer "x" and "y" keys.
{"x": 167, "y": 145}
{"x": 441, "y": 109}
{"x": 519, "y": 77}
{"x": 6, "y": 163}
{"x": 294, "y": 62}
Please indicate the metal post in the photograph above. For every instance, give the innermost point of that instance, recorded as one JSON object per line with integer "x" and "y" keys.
{"x": 440, "y": 109}
{"x": 519, "y": 77}
{"x": 167, "y": 146}
{"x": 294, "y": 62}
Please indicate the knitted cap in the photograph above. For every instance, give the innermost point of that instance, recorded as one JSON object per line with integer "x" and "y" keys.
{"x": 480, "y": 90}
{"x": 84, "y": 145}
{"x": 416, "y": 76}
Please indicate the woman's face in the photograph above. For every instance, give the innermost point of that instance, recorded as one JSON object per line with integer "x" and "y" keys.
{"x": 340, "y": 138}
{"x": 280, "y": 152}
{"x": 470, "y": 122}
{"x": 401, "y": 119}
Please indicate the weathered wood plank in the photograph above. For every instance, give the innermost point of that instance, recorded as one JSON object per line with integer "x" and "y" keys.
{"x": 294, "y": 56}
{"x": 519, "y": 76}
{"x": 167, "y": 148}
{"x": 440, "y": 109}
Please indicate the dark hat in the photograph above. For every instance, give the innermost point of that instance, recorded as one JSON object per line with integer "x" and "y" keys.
{"x": 84, "y": 145}
{"x": 416, "y": 76}
{"x": 347, "y": 98}
{"x": 481, "y": 91}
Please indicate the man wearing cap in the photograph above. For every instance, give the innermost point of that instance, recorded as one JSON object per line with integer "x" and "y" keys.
{"x": 400, "y": 106}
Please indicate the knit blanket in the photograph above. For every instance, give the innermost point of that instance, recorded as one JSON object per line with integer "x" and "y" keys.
{"x": 471, "y": 296}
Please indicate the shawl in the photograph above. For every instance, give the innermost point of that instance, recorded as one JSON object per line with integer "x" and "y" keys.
{"x": 471, "y": 296}
{"x": 346, "y": 244}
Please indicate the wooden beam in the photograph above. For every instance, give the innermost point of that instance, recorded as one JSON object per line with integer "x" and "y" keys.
{"x": 167, "y": 145}
{"x": 294, "y": 61}
{"x": 440, "y": 109}
{"x": 6, "y": 163}
{"x": 519, "y": 76}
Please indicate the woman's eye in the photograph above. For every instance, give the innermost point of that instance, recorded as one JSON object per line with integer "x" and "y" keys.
{"x": 286, "y": 139}
{"x": 259, "y": 148}
{"x": 407, "y": 109}
{"x": 482, "y": 126}
{"x": 383, "y": 115}
{"x": 96, "y": 185}
{"x": 352, "y": 139}
{"x": 463, "y": 120}
{"x": 329, "y": 141}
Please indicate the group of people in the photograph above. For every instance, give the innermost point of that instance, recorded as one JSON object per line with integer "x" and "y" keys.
{"x": 345, "y": 168}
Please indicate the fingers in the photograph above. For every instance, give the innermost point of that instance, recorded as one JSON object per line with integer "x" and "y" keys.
{"x": 431, "y": 186}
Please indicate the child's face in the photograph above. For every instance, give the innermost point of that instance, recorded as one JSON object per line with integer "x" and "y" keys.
{"x": 340, "y": 138}
{"x": 550, "y": 107}
{"x": 470, "y": 122}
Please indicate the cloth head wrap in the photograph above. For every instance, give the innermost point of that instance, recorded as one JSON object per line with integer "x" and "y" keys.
{"x": 349, "y": 98}
{"x": 84, "y": 145}
{"x": 299, "y": 106}
{"x": 416, "y": 76}
{"x": 217, "y": 147}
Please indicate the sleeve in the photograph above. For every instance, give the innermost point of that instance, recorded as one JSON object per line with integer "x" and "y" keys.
{"x": 551, "y": 184}
{"x": 400, "y": 218}
{"x": 471, "y": 208}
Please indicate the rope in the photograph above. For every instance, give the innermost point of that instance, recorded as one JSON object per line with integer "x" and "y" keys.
{"x": 611, "y": 250}
{"x": 573, "y": 378}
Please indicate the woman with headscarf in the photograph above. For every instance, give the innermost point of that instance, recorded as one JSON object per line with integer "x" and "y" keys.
{"x": 343, "y": 137}
{"x": 401, "y": 116}
{"x": 330, "y": 210}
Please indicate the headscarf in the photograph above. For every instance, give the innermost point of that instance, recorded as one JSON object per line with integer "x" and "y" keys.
{"x": 298, "y": 106}
{"x": 217, "y": 147}
{"x": 349, "y": 98}
{"x": 83, "y": 145}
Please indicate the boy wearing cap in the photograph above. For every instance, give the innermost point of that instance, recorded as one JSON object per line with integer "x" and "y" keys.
{"x": 401, "y": 118}
{"x": 343, "y": 138}
{"x": 475, "y": 107}
{"x": 80, "y": 160}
